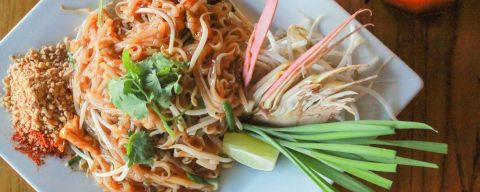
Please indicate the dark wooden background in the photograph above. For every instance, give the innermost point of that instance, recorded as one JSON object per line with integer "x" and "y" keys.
{"x": 442, "y": 47}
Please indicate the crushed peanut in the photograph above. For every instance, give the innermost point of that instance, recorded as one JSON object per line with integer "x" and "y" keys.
{"x": 39, "y": 99}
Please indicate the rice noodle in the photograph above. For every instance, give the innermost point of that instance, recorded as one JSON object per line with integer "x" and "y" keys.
{"x": 208, "y": 121}
{"x": 156, "y": 132}
{"x": 355, "y": 110}
{"x": 207, "y": 164}
{"x": 202, "y": 42}
{"x": 200, "y": 155}
{"x": 315, "y": 23}
{"x": 82, "y": 155}
{"x": 167, "y": 18}
{"x": 83, "y": 111}
{"x": 112, "y": 173}
{"x": 122, "y": 176}
{"x": 99, "y": 130}
{"x": 106, "y": 124}
{"x": 197, "y": 112}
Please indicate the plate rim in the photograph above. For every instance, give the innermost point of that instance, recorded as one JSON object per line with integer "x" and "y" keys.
{"x": 40, "y": 6}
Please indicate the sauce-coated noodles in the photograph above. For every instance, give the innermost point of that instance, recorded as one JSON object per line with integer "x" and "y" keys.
{"x": 210, "y": 37}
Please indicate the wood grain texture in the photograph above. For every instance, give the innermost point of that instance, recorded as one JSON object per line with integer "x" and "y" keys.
{"x": 442, "y": 47}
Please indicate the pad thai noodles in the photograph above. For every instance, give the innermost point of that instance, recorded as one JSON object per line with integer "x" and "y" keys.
{"x": 158, "y": 83}
{"x": 204, "y": 46}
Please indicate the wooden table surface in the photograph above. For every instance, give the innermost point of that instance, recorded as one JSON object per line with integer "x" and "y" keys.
{"x": 442, "y": 47}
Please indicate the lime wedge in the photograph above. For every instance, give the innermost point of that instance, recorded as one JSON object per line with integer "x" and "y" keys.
{"x": 250, "y": 151}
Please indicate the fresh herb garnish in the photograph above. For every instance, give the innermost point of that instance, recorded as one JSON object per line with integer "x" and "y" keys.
{"x": 100, "y": 12}
{"x": 229, "y": 115}
{"x": 196, "y": 178}
{"x": 124, "y": 95}
{"x": 140, "y": 149}
{"x": 149, "y": 83}
{"x": 73, "y": 161}
{"x": 132, "y": 69}
{"x": 164, "y": 120}
{"x": 341, "y": 150}
{"x": 71, "y": 59}
{"x": 213, "y": 182}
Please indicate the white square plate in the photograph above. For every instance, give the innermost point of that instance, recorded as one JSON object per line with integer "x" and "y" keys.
{"x": 47, "y": 24}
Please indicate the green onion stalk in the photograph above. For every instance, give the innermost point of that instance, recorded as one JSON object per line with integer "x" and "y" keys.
{"x": 341, "y": 150}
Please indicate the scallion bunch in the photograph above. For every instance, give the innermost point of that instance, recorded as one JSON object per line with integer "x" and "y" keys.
{"x": 341, "y": 150}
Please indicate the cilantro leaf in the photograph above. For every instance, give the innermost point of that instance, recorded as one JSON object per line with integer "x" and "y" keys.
{"x": 129, "y": 65}
{"x": 153, "y": 87}
{"x": 122, "y": 97}
{"x": 169, "y": 88}
{"x": 164, "y": 65}
{"x": 134, "y": 106}
{"x": 130, "y": 86}
{"x": 174, "y": 87}
{"x": 177, "y": 88}
{"x": 152, "y": 84}
{"x": 116, "y": 90}
{"x": 74, "y": 160}
{"x": 163, "y": 101}
{"x": 140, "y": 149}
{"x": 163, "y": 70}
{"x": 163, "y": 79}
{"x": 146, "y": 65}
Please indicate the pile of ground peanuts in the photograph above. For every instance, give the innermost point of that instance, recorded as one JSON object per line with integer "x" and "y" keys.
{"x": 38, "y": 97}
